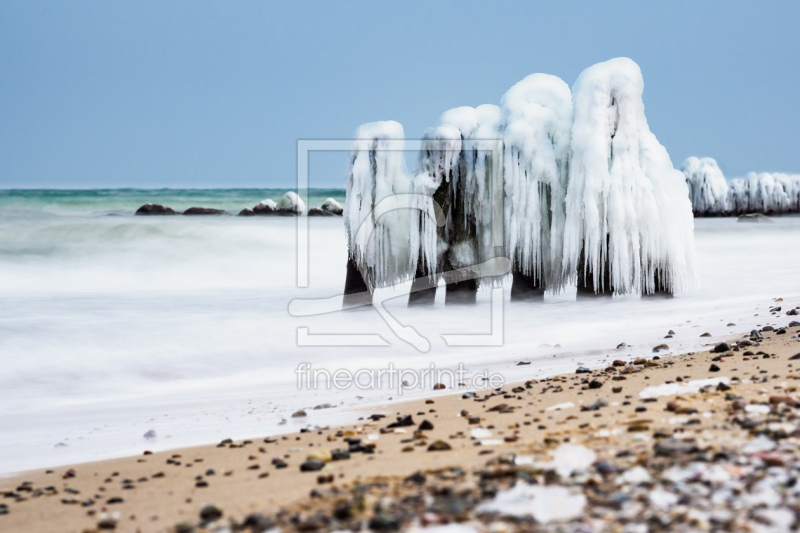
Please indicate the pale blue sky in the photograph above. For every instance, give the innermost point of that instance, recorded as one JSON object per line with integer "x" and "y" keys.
{"x": 216, "y": 94}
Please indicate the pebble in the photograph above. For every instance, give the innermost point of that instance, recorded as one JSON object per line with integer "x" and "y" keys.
{"x": 721, "y": 347}
{"x": 320, "y": 454}
{"x": 312, "y": 465}
{"x": 439, "y": 446}
{"x": 668, "y": 447}
{"x": 425, "y": 425}
{"x": 209, "y": 513}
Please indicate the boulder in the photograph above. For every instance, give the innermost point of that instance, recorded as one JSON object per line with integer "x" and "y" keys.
{"x": 291, "y": 205}
{"x": 247, "y": 212}
{"x": 155, "y": 209}
{"x": 204, "y": 211}
{"x": 266, "y": 207}
{"x": 319, "y": 212}
{"x": 332, "y": 206}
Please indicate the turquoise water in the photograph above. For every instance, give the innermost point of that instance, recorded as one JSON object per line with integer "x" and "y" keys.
{"x": 92, "y": 202}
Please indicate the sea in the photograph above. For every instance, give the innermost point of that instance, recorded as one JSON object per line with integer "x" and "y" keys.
{"x": 197, "y": 329}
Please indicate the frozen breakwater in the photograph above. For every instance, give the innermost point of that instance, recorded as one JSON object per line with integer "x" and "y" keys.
{"x": 566, "y": 186}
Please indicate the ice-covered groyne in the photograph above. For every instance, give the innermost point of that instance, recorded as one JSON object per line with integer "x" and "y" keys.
{"x": 708, "y": 188}
{"x": 586, "y": 192}
{"x": 765, "y": 193}
{"x": 629, "y": 226}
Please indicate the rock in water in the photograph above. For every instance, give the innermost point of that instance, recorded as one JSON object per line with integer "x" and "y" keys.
{"x": 246, "y": 212}
{"x": 151, "y": 434}
{"x": 155, "y": 209}
{"x": 722, "y": 347}
{"x": 265, "y": 207}
{"x": 204, "y": 211}
{"x": 333, "y": 207}
{"x": 753, "y": 217}
{"x": 318, "y": 212}
{"x": 291, "y": 205}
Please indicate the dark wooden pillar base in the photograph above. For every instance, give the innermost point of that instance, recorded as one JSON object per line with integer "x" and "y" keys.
{"x": 423, "y": 291}
{"x": 461, "y": 292}
{"x": 586, "y": 288}
{"x": 356, "y": 292}
{"x": 525, "y": 288}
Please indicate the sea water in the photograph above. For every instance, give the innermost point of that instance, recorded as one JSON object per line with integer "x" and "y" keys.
{"x": 112, "y": 325}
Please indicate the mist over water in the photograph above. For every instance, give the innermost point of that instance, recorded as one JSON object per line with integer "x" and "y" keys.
{"x": 111, "y": 325}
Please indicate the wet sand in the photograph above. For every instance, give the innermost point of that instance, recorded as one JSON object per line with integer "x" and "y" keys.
{"x": 600, "y": 440}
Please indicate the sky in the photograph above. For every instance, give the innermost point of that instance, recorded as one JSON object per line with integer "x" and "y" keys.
{"x": 197, "y": 94}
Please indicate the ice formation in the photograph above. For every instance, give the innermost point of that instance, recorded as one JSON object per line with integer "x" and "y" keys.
{"x": 537, "y": 115}
{"x": 543, "y": 503}
{"x": 438, "y": 158}
{"x": 587, "y": 191}
{"x": 265, "y": 207}
{"x": 770, "y": 194}
{"x": 291, "y": 204}
{"x": 629, "y": 226}
{"x": 477, "y": 178}
{"x": 713, "y": 195}
{"x": 708, "y": 189}
{"x": 379, "y": 244}
{"x": 332, "y": 206}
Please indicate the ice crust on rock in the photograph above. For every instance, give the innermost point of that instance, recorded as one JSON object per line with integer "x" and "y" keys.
{"x": 548, "y": 503}
{"x": 708, "y": 188}
{"x": 291, "y": 203}
{"x": 628, "y": 209}
{"x": 569, "y": 458}
{"x": 672, "y": 389}
{"x": 332, "y": 206}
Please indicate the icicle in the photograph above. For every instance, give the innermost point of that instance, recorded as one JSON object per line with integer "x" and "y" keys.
{"x": 629, "y": 218}
{"x": 708, "y": 188}
{"x": 476, "y": 184}
{"x": 438, "y": 159}
{"x": 537, "y": 114}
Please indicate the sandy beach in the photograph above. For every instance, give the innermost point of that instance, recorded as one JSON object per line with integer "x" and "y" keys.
{"x": 654, "y": 440}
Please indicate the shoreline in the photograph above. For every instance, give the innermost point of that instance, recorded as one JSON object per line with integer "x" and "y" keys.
{"x": 162, "y": 489}
{"x": 348, "y": 404}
